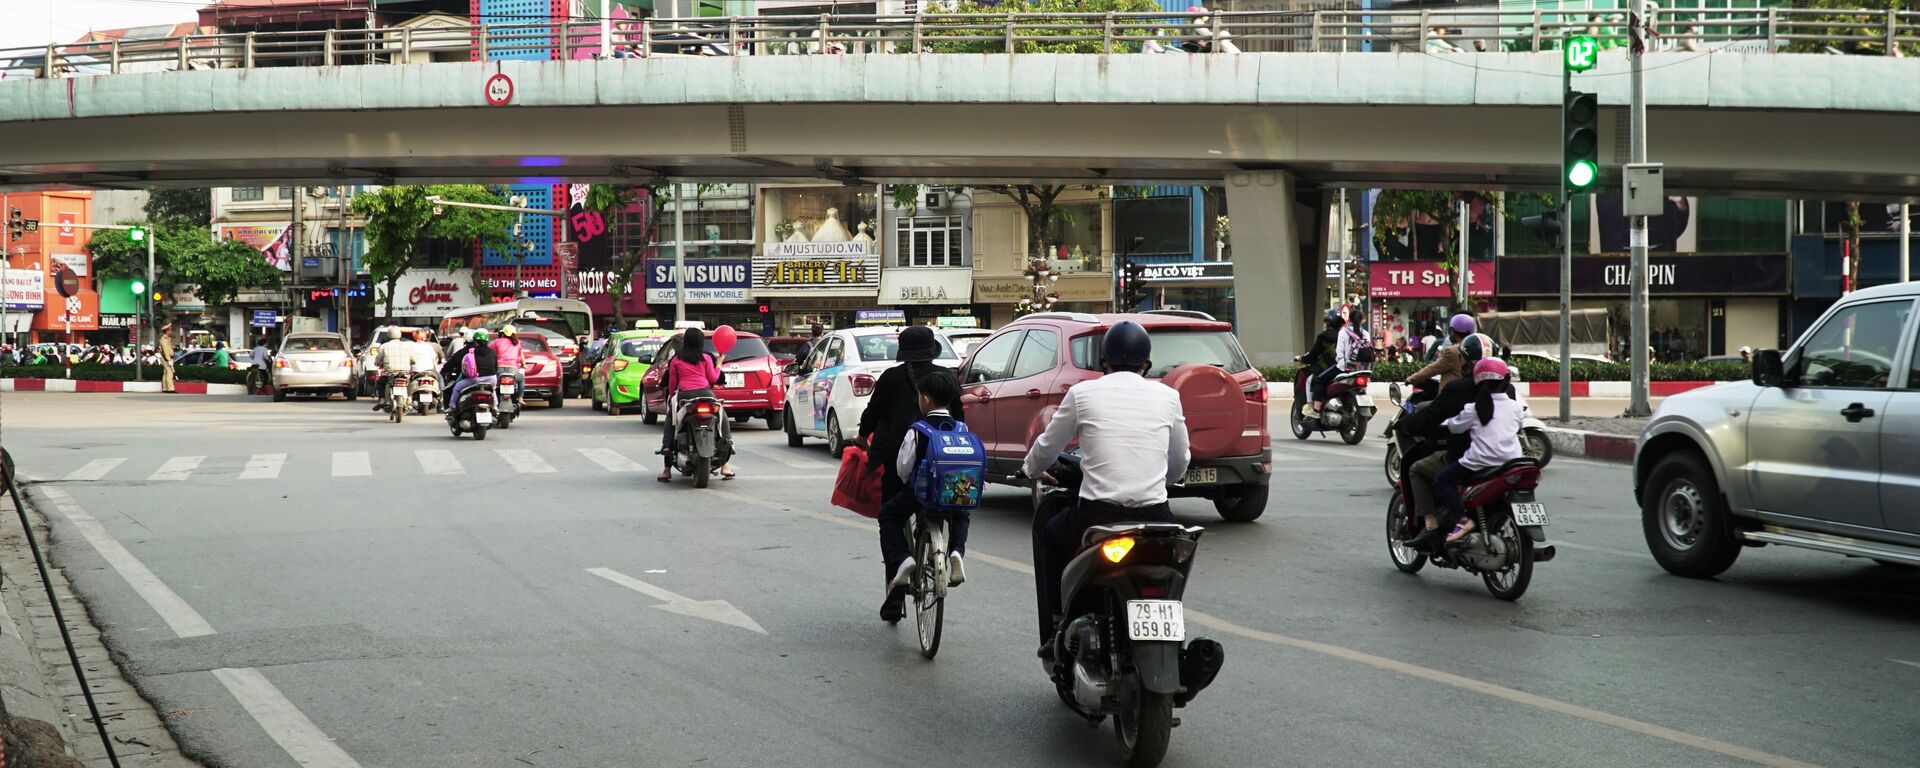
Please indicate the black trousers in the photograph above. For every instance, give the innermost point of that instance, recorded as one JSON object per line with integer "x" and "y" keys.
{"x": 896, "y": 509}
{"x": 673, "y": 405}
{"x": 1058, "y": 541}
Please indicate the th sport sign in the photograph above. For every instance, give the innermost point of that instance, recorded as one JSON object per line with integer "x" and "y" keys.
{"x": 708, "y": 281}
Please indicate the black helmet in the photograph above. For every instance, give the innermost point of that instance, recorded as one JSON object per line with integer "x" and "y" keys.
{"x": 1474, "y": 347}
{"x": 1127, "y": 346}
{"x": 1334, "y": 319}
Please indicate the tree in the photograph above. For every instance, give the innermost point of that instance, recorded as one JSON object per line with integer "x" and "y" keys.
{"x": 1848, "y": 18}
{"x": 184, "y": 255}
{"x": 1852, "y": 222}
{"x": 1087, "y": 30}
{"x": 193, "y": 206}
{"x": 1044, "y": 213}
{"x": 401, "y": 221}
{"x": 1397, "y": 211}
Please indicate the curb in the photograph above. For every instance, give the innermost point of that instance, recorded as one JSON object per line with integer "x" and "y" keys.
{"x": 80, "y": 385}
{"x": 1598, "y": 446}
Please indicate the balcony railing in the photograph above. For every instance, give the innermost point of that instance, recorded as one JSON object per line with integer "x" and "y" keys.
{"x": 1866, "y": 31}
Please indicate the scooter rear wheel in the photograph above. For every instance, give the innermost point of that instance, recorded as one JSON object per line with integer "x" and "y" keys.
{"x": 1145, "y": 730}
{"x": 702, "y": 468}
{"x": 1511, "y": 582}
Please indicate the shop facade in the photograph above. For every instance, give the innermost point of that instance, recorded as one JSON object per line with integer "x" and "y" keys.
{"x": 1407, "y": 300}
{"x": 929, "y": 271}
{"x": 818, "y": 262}
{"x": 1697, "y": 304}
{"x": 49, "y": 272}
{"x": 1203, "y": 286}
{"x": 1077, "y": 252}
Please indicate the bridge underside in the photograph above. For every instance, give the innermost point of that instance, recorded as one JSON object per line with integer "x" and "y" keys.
{"x": 1719, "y": 151}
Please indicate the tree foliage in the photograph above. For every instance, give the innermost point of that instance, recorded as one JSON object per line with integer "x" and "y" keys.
{"x": 609, "y": 200}
{"x": 1396, "y": 211}
{"x": 1028, "y": 38}
{"x": 1849, "y": 18}
{"x": 193, "y": 206}
{"x": 184, "y": 255}
{"x": 401, "y": 220}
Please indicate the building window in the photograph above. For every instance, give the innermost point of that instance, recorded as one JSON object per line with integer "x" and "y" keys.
{"x": 286, "y": 193}
{"x": 930, "y": 241}
{"x": 249, "y": 194}
{"x": 1163, "y": 224}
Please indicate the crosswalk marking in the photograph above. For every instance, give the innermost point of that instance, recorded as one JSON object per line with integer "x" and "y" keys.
{"x": 94, "y": 470}
{"x": 352, "y": 464}
{"x": 264, "y": 466}
{"x": 523, "y": 460}
{"x": 610, "y": 459}
{"x": 792, "y": 459}
{"x": 177, "y": 468}
{"x": 439, "y": 462}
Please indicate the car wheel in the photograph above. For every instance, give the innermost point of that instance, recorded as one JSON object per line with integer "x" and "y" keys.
{"x": 1244, "y": 507}
{"x": 1684, "y": 519}
{"x": 650, "y": 417}
{"x": 836, "y": 444}
{"x": 351, "y": 395}
{"x": 777, "y": 419}
{"x": 557, "y": 399}
{"x": 794, "y": 440}
{"x": 613, "y": 409}
{"x": 279, "y": 395}
{"x": 594, "y": 403}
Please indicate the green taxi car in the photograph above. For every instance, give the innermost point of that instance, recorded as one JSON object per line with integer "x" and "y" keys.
{"x": 617, "y": 372}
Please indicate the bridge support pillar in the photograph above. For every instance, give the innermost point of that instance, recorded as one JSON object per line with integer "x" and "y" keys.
{"x": 1276, "y": 292}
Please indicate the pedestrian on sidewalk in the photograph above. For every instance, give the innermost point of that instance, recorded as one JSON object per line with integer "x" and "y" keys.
{"x": 166, "y": 356}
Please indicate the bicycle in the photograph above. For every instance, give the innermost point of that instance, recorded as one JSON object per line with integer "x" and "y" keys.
{"x": 929, "y": 581}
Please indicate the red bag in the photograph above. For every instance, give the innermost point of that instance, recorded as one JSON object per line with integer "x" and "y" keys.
{"x": 857, "y": 488}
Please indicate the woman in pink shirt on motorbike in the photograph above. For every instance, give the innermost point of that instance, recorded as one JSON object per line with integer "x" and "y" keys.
{"x": 692, "y": 373}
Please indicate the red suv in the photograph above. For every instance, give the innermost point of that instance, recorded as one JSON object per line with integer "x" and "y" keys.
{"x": 751, "y": 382}
{"x": 1012, "y": 383}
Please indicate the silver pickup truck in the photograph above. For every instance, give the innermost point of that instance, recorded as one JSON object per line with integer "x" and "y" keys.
{"x": 1821, "y": 450}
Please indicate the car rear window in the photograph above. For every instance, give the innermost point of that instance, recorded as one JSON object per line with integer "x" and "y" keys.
{"x": 1173, "y": 348}
{"x": 744, "y": 348}
{"x": 533, "y": 343}
{"x": 640, "y": 347}
{"x": 793, "y": 348}
{"x": 882, "y": 347}
{"x": 315, "y": 344}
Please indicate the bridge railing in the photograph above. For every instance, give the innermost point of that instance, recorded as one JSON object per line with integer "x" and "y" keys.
{"x": 1431, "y": 31}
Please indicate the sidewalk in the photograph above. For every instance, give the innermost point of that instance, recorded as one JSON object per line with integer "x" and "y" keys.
{"x": 1597, "y": 430}
{"x": 36, "y": 678}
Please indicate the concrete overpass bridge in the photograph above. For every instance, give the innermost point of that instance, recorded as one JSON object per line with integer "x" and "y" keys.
{"x": 1276, "y": 127}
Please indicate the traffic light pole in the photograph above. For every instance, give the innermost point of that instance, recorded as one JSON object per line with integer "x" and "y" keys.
{"x": 1566, "y": 267}
{"x": 1637, "y": 406}
{"x": 152, "y": 236}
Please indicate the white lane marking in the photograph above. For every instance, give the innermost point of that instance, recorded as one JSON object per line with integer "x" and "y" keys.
{"x": 790, "y": 459}
{"x": 523, "y": 460}
{"x": 610, "y": 459}
{"x": 1380, "y": 662}
{"x": 180, "y": 617}
{"x": 1914, "y": 664}
{"x": 289, "y": 727}
{"x": 437, "y": 461}
{"x": 352, "y": 464}
{"x": 1601, "y": 550}
{"x": 94, "y": 470}
{"x": 177, "y": 468}
{"x": 712, "y": 610}
{"x": 264, "y": 466}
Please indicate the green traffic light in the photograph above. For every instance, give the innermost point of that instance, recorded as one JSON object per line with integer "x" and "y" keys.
{"x": 139, "y": 287}
{"x": 1581, "y": 174}
{"x": 136, "y": 234}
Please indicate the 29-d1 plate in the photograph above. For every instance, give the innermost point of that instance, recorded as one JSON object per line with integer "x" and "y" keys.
{"x": 733, "y": 380}
{"x": 1529, "y": 513}
{"x": 1156, "y": 620}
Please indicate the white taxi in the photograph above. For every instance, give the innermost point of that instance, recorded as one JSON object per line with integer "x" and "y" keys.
{"x": 828, "y": 389}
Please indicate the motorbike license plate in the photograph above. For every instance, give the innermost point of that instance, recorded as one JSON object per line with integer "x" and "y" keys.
{"x": 483, "y": 419}
{"x": 506, "y": 389}
{"x": 1156, "y": 620}
{"x": 1364, "y": 400}
{"x": 1529, "y": 513}
{"x": 400, "y": 392}
{"x": 1203, "y": 476}
{"x": 733, "y": 379}
{"x": 426, "y": 397}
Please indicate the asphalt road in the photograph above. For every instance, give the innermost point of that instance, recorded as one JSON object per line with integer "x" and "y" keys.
{"x": 326, "y": 585}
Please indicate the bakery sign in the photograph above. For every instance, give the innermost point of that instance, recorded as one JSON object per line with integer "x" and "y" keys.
{"x": 817, "y": 268}
{"x": 433, "y": 292}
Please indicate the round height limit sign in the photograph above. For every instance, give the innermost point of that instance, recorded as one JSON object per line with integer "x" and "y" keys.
{"x": 499, "y": 89}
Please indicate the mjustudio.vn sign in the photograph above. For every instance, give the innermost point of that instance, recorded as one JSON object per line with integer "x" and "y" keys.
{"x": 817, "y": 267}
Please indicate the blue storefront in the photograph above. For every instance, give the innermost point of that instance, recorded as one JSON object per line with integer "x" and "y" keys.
{"x": 1170, "y": 226}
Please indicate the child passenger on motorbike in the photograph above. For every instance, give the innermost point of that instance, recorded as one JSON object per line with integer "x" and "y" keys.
{"x": 1492, "y": 425}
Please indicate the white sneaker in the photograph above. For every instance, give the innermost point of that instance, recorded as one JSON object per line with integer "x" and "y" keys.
{"x": 956, "y": 570}
{"x": 902, "y": 576}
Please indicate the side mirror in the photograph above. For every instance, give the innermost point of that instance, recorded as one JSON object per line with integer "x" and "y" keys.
{"x": 791, "y": 369}
{"x": 647, "y": 358}
{"x": 1767, "y": 370}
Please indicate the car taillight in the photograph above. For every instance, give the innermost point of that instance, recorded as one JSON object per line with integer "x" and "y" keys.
{"x": 347, "y": 363}
{"x": 620, "y": 365}
{"x": 862, "y": 384}
{"x": 1256, "y": 392}
{"x": 281, "y": 363}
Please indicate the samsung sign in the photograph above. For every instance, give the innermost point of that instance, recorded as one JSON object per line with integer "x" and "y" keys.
{"x": 708, "y": 281}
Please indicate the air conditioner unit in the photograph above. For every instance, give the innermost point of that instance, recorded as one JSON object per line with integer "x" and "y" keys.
{"x": 934, "y": 199}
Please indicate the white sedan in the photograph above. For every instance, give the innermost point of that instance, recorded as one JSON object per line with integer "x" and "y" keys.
{"x": 828, "y": 390}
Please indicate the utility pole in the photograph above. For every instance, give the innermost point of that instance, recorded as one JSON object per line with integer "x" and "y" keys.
{"x": 1906, "y": 244}
{"x": 606, "y": 31}
{"x": 1343, "y": 246}
{"x": 1637, "y": 405}
{"x": 679, "y": 253}
{"x": 1460, "y": 280}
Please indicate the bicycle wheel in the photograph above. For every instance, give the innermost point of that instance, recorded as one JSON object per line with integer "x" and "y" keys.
{"x": 929, "y": 583}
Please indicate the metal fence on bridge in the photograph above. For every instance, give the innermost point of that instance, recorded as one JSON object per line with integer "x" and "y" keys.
{"x": 1437, "y": 31}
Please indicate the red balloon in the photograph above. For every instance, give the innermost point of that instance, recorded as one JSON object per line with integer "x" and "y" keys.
{"x": 724, "y": 338}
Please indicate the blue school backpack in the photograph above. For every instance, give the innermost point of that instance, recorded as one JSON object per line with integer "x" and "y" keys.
{"x": 953, "y": 470}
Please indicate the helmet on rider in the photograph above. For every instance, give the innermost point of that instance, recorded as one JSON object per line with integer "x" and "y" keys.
{"x": 480, "y": 335}
{"x": 508, "y": 330}
{"x": 1474, "y": 347}
{"x": 1491, "y": 369}
{"x": 393, "y": 334}
{"x": 1463, "y": 324}
{"x": 1127, "y": 347}
{"x": 1334, "y": 319}
{"x": 466, "y": 334}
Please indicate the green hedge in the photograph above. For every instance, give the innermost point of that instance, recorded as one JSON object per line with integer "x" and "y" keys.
{"x": 1534, "y": 369}
{"x": 99, "y": 372}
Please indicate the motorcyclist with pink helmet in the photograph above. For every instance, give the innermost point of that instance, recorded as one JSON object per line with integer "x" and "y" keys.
{"x": 1492, "y": 428}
